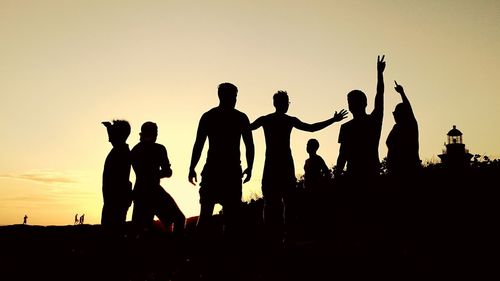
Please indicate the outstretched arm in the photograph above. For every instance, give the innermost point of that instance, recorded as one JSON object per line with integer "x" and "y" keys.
{"x": 201, "y": 136}
{"x": 256, "y": 124}
{"x": 379, "y": 97}
{"x": 320, "y": 125}
{"x": 250, "y": 153}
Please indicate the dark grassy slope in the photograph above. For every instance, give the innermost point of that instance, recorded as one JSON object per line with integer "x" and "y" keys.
{"x": 438, "y": 225}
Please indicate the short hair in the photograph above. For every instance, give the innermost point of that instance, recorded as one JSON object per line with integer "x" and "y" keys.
{"x": 356, "y": 97}
{"x": 120, "y": 129}
{"x": 280, "y": 96}
{"x": 313, "y": 144}
{"x": 225, "y": 89}
{"x": 149, "y": 129}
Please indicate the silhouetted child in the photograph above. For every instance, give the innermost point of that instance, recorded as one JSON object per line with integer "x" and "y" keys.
{"x": 76, "y": 219}
{"x": 316, "y": 175}
{"x": 25, "y": 220}
{"x": 402, "y": 142}
{"x": 150, "y": 163}
{"x": 116, "y": 186}
{"x": 359, "y": 138}
{"x": 278, "y": 180}
{"x": 315, "y": 170}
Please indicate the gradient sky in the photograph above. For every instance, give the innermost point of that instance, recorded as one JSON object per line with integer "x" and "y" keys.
{"x": 65, "y": 66}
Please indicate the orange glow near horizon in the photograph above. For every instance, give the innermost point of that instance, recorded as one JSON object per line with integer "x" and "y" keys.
{"x": 67, "y": 66}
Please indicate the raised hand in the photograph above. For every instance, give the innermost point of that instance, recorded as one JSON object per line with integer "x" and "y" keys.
{"x": 340, "y": 115}
{"x": 380, "y": 64}
{"x": 399, "y": 88}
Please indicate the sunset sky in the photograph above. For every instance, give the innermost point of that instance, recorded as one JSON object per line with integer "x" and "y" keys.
{"x": 65, "y": 66}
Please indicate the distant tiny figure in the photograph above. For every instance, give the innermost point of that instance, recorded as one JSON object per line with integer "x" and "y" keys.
{"x": 76, "y": 219}
{"x": 224, "y": 127}
{"x": 82, "y": 219}
{"x": 150, "y": 163}
{"x": 25, "y": 220}
{"x": 315, "y": 170}
{"x": 278, "y": 180}
{"x": 116, "y": 186}
{"x": 402, "y": 142}
{"x": 359, "y": 138}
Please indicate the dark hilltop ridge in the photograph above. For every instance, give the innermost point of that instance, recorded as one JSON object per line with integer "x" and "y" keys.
{"x": 439, "y": 225}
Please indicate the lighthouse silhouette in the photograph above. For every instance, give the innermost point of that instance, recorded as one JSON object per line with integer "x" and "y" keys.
{"x": 455, "y": 155}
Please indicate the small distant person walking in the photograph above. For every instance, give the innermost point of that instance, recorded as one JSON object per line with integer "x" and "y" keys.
{"x": 278, "y": 180}
{"x": 82, "y": 219}
{"x": 150, "y": 163}
{"x": 359, "y": 138}
{"x": 25, "y": 220}
{"x": 76, "y": 220}
{"x": 116, "y": 186}
{"x": 402, "y": 143}
{"x": 224, "y": 127}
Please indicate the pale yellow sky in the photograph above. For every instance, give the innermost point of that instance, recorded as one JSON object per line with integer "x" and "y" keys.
{"x": 65, "y": 66}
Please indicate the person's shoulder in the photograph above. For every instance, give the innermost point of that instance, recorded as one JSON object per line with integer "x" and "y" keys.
{"x": 210, "y": 112}
{"x": 347, "y": 124}
{"x": 137, "y": 146}
{"x": 159, "y": 146}
{"x": 240, "y": 114}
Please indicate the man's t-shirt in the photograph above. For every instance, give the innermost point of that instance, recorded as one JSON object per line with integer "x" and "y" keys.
{"x": 360, "y": 139}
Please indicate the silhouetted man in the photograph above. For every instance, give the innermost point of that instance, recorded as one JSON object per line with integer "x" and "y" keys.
{"x": 402, "y": 142}
{"x": 224, "y": 126}
{"x": 150, "y": 162}
{"x": 359, "y": 138}
{"x": 278, "y": 179}
{"x": 25, "y": 220}
{"x": 116, "y": 186}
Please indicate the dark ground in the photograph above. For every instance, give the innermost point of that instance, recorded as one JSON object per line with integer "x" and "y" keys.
{"x": 443, "y": 229}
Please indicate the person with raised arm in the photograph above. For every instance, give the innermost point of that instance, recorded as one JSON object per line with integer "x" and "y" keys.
{"x": 278, "y": 179}
{"x": 402, "y": 142}
{"x": 359, "y": 138}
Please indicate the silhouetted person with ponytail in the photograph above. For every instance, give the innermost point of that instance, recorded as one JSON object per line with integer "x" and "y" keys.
{"x": 278, "y": 179}
{"x": 116, "y": 186}
{"x": 402, "y": 142}
{"x": 150, "y": 162}
{"x": 359, "y": 138}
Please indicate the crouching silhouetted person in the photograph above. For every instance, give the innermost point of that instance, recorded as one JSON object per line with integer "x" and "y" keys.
{"x": 116, "y": 187}
{"x": 151, "y": 163}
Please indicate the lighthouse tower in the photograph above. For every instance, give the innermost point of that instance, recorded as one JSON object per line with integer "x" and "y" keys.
{"x": 455, "y": 156}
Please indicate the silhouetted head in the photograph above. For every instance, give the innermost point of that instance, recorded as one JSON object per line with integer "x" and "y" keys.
{"x": 312, "y": 146}
{"x": 357, "y": 102}
{"x": 227, "y": 95}
{"x": 118, "y": 131}
{"x": 281, "y": 101}
{"x": 402, "y": 113}
{"x": 149, "y": 132}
